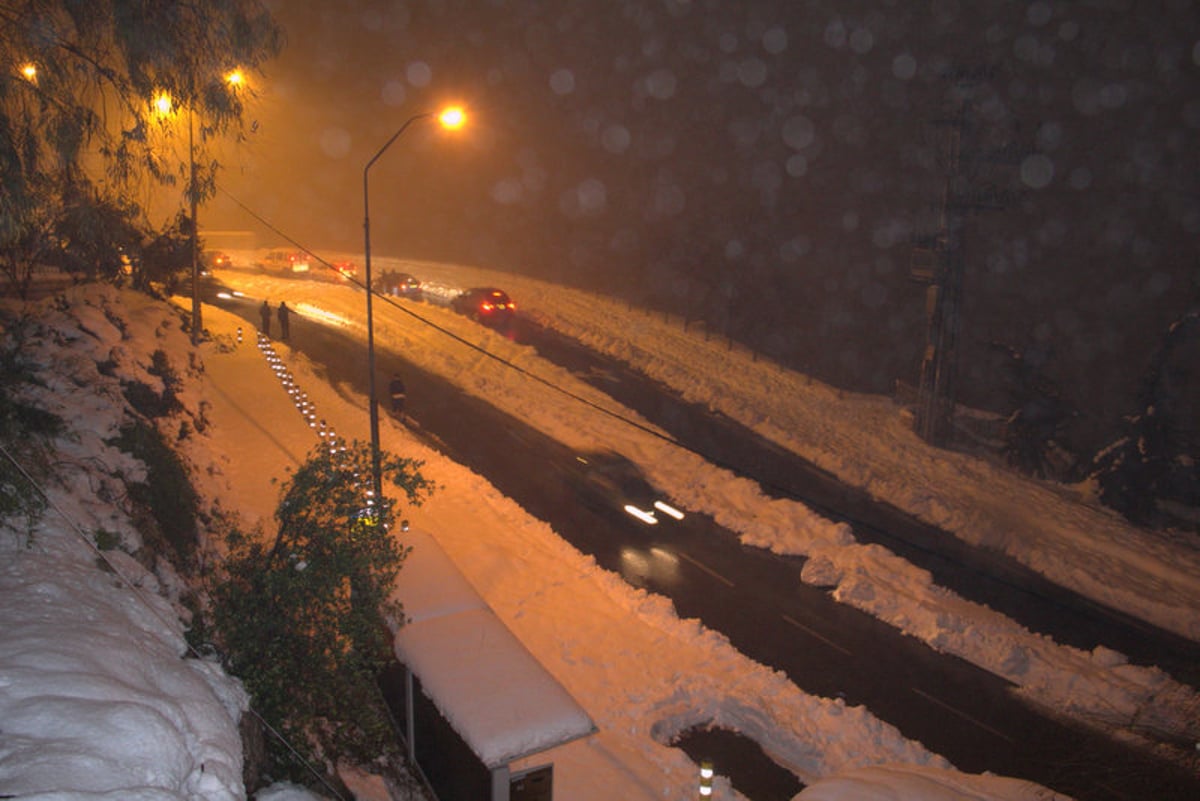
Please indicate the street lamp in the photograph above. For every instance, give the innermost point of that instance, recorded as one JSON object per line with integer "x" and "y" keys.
{"x": 234, "y": 79}
{"x": 194, "y": 200}
{"x": 451, "y": 118}
{"x": 163, "y": 105}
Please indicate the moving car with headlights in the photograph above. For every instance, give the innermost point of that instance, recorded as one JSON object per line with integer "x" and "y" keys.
{"x": 486, "y": 305}
{"x": 287, "y": 262}
{"x": 608, "y": 482}
{"x": 398, "y": 284}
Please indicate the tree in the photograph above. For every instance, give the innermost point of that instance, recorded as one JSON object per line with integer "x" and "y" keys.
{"x": 95, "y": 235}
{"x": 164, "y": 256}
{"x": 76, "y": 102}
{"x": 302, "y": 617}
{"x": 1151, "y": 473}
{"x": 1034, "y": 430}
{"x": 25, "y": 429}
{"x": 27, "y": 226}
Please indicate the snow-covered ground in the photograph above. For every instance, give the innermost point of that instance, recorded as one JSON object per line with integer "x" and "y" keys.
{"x": 78, "y": 720}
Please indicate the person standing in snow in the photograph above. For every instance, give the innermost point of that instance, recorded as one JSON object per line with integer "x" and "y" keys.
{"x": 397, "y": 391}
{"x": 284, "y": 330}
{"x": 264, "y": 311}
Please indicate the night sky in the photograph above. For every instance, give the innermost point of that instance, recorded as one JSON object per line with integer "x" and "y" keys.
{"x": 765, "y": 166}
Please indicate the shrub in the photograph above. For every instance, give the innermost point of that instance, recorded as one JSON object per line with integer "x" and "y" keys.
{"x": 24, "y": 430}
{"x": 166, "y": 497}
{"x": 302, "y": 618}
{"x": 145, "y": 399}
{"x": 107, "y": 540}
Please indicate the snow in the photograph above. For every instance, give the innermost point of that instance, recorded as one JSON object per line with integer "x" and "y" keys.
{"x": 451, "y": 640}
{"x": 77, "y": 722}
{"x": 97, "y": 695}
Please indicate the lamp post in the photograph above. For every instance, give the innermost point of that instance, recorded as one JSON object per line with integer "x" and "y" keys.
{"x": 194, "y": 200}
{"x": 450, "y": 118}
{"x": 164, "y": 105}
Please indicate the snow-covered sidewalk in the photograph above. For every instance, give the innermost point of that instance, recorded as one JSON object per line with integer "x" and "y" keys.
{"x": 246, "y": 404}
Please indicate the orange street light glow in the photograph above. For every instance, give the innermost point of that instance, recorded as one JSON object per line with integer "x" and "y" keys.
{"x": 162, "y": 103}
{"x": 453, "y": 118}
{"x": 29, "y": 72}
{"x": 235, "y": 78}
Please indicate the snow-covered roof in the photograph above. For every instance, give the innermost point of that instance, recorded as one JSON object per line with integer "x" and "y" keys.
{"x": 490, "y": 688}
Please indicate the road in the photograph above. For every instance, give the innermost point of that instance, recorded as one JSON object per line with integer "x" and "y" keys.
{"x": 984, "y": 576}
{"x": 757, "y": 600}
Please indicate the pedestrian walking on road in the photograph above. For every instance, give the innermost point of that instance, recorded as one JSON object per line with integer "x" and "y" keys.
{"x": 264, "y": 311}
{"x": 284, "y": 330}
{"x": 396, "y": 390}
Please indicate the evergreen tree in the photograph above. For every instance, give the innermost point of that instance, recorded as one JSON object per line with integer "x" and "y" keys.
{"x": 1035, "y": 428}
{"x": 305, "y": 617}
{"x": 1157, "y": 457}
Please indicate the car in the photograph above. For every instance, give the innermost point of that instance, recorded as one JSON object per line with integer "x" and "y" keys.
{"x": 485, "y": 304}
{"x": 216, "y": 260}
{"x": 400, "y": 284}
{"x": 288, "y": 262}
{"x": 346, "y": 269}
{"x": 608, "y": 482}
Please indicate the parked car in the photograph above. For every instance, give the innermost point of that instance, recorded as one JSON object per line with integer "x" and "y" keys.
{"x": 285, "y": 261}
{"x": 399, "y": 284}
{"x": 487, "y": 305}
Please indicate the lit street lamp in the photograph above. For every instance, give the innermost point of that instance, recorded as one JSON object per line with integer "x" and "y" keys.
{"x": 164, "y": 105}
{"x": 450, "y": 118}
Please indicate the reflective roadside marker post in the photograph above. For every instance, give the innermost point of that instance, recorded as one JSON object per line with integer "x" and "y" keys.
{"x": 706, "y": 776}
{"x": 239, "y": 335}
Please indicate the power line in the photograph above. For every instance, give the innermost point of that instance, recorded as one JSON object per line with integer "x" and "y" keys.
{"x": 467, "y": 343}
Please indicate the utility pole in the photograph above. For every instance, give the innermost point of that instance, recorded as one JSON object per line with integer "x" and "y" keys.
{"x": 942, "y": 270}
{"x": 938, "y": 261}
{"x": 194, "y": 200}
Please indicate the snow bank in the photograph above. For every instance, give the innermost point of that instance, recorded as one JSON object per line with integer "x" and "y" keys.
{"x": 99, "y": 696}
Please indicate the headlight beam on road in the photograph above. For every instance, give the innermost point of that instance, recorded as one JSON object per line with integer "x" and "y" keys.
{"x": 640, "y": 514}
{"x": 668, "y": 509}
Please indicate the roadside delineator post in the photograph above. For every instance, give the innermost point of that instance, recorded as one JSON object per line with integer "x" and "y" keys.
{"x": 706, "y": 777}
